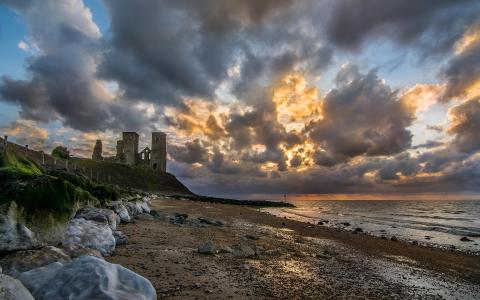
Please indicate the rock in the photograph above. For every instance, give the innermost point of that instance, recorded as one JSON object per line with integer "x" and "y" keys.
{"x": 122, "y": 212}
{"x": 242, "y": 250}
{"x": 87, "y": 277}
{"x": 157, "y": 215}
{"x": 252, "y": 237}
{"x": 90, "y": 234}
{"x": 299, "y": 240}
{"x": 358, "y": 229}
{"x": 211, "y": 222}
{"x": 145, "y": 217}
{"x": 137, "y": 207}
{"x": 15, "y": 236}
{"x": 74, "y": 250}
{"x": 100, "y": 215}
{"x": 466, "y": 239}
{"x": 225, "y": 249}
{"x": 120, "y": 238}
{"x": 22, "y": 261}
{"x": 13, "y": 289}
{"x": 259, "y": 251}
{"x": 394, "y": 239}
{"x": 207, "y": 248}
{"x": 179, "y": 218}
{"x": 345, "y": 224}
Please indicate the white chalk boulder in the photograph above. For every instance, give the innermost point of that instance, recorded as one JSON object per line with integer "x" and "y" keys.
{"x": 13, "y": 289}
{"x": 90, "y": 234}
{"x": 22, "y": 261}
{"x": 14, "y": 235}
{"x": 100, "y": 215}
{"x": 85, "y": 278}
{"x": 137, "y": 207}
{"x": 121, "y": 211}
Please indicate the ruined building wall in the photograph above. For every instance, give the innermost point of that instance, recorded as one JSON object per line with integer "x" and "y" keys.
{"x": 120, "y": 156}
{"x": 130, "y": 148}
{"x": 97, "y": 151}
{"x": 158, "y": 156}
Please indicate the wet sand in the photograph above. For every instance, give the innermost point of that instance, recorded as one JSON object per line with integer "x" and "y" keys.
{"x": 299, "y": 261}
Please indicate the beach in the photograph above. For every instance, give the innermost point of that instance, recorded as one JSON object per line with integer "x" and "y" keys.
{"x": 201, "y": 250}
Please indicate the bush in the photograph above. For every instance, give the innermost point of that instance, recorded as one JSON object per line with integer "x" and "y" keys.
{"x": 61, "y": 152}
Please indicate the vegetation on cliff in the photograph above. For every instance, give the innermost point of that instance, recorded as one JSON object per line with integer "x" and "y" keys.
{"x": 33, "y": 190}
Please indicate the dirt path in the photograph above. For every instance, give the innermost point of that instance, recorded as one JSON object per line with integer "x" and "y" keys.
{"x": 295, "y": 261}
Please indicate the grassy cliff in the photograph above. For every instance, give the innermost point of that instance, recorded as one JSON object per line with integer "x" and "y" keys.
{"x": 130, "y": 176}
{"x": 35, "y": 191}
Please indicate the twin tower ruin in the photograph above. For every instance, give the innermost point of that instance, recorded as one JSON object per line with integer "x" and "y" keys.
{"x": 154, "y": 158}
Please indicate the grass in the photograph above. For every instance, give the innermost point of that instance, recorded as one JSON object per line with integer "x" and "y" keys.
{"x": 130, "y": 177}
{"x": 37, "y": 192}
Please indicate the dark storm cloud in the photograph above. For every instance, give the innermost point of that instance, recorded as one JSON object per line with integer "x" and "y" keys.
{"x": 466, "y": 126}
{"x": 462, "y": 71}
{"x": 361, "y": 116}
{"x": 435, "y": 24}
{"x": 62, "y": 83}
{"x": 428, "y": 144}
{"x": 192, "y": 152}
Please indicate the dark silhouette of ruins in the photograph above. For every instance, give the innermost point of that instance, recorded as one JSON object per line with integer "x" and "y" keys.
{"x": 154, "y": 158}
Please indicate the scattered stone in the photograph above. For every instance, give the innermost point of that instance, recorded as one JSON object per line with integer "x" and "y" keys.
{"x": 120, "y": 238}
{"x": 225, "y": 249}
{"x": 13, "y": 289}
{"x": 242, "y": 250}
{"x": 245, "y": 267}
{"x": 320, "y": 223}
{"x": 283, "y": 223}
{"x": 197, "y": 285}
{"x": 87, "y": 277}
{"x": 466, "y": 239}
{"x": 207, "y": 248}
{"x": 74, "y": 250}
{"x": 394, "y": 239}
{"x": 90, "y": 234}
{"x": 259, "y": 251}
{"x": 15, "y": 236}
{"x": 252, "y": 237}
{"x": 179, "y": 218}
{"x": 358, "y": 229}
{"x": 100, "y": 215}
{"x": 383, "y": 237}
{"x": 299, "y": 240}
{"x": 345, "y": 224}
{"x": 157, "y": 215}
{"x": 22, "y": 261}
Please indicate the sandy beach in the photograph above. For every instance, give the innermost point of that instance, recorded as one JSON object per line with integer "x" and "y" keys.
{"x": 254, "y": 255}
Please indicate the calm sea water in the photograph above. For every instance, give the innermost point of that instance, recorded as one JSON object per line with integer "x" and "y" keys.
{"x": 435, "y": 223}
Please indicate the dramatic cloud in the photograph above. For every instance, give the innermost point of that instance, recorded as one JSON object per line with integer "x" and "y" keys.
{"x": 430, "y": 23}
{"x": 63, "y": 82}
{"x": 261, "y": 96}
{"x": 361, "y": 116}
{"x": 463, "y": 71}
{"x": 465, "y": 125}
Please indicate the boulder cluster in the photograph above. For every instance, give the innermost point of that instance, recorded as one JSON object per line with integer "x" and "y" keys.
{"x": 74, "y": 268}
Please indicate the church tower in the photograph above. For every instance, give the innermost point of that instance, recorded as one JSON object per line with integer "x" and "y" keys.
{"x": 158, "y": 156}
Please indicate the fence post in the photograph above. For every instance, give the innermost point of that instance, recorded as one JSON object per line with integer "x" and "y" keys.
{"x": 43, "y": 157}
{"x": 26, "y": 150}
{"x": 5, "y": 142}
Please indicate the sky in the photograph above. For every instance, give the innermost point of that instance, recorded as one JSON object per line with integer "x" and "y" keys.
{"x": 335, "y": 99}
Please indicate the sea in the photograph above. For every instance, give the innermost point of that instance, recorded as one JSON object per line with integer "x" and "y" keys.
{"x": 440, "y": 224}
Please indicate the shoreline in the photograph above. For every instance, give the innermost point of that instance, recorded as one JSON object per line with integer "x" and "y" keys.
{"x": 385, "y": 235}
{"x": 290, "y": 259}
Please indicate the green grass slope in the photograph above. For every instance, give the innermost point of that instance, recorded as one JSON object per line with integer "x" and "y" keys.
{"x": 133, "y": 177}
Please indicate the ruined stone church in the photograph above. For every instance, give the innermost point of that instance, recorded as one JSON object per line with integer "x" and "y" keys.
{"x": 154, "y": 158}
